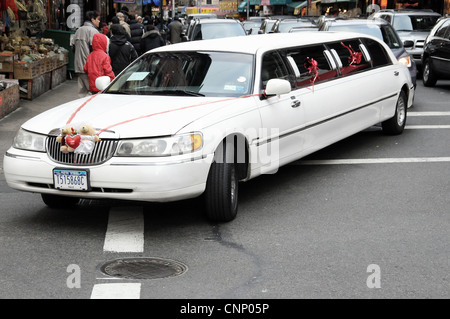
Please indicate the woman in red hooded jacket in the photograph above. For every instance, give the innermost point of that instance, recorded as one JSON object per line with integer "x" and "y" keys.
{"x": 98, "y": 62}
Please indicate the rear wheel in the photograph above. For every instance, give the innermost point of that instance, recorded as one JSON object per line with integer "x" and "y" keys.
{"x": 57, "y": 201}
{"x": 396, "y": 124}
{"x": 221, "y": 194}
{"x": 428, "y": 76}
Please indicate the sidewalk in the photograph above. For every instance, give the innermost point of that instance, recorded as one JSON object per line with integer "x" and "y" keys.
{"x": 10, "y": 124}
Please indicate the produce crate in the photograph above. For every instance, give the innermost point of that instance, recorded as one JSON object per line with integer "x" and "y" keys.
{"x": 46, "y": 63}
{"x": 59, "y": 75}
{"x": 42, "y": 66}
{"x": 63, "y": 59}
{"x": 54, "y": 61}
{"x": 27, "y": 70}
{"x": 9, "y": 98}
{"x": 7, "y": 62}
{"x": 32, "y": 88}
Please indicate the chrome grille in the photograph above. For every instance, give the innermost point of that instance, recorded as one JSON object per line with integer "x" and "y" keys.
{"x": 420, "y": 43}
{"x": 103, "y": 151}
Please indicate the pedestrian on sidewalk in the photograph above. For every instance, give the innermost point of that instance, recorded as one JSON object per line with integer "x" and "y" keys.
{"x": 151, "y": 39}
{"x": 98, "y": 62}
{"x": 82, "y": 44}
{"x": 123, "y": 22}
{"x": 175, "y": 27}
{"x": 121, "y": 51}
{"x": 137, "y": 30}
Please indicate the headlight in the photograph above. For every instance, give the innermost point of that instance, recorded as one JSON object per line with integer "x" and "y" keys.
{"x": 164, "y": 146}
{"x": 29, "y": 141}
{"x": 406, "y": 60}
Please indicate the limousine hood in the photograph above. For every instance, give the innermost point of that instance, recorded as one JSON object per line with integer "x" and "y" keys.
{"x": 128, "y": 115}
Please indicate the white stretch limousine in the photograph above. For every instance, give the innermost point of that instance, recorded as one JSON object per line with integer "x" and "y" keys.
{"x": 196, "y": 118}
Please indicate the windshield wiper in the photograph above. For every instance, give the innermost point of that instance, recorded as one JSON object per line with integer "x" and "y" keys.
{"x": 117, "y": 92}
{"x": 177, "y": 92}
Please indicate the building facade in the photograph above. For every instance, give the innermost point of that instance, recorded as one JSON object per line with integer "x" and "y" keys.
{"x": 69, "y": 14}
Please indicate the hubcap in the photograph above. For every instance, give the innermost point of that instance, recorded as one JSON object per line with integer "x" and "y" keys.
{"x": 233, "y": 188}
{"x": 426, "y": 71}
{"x": 401, "y": 111}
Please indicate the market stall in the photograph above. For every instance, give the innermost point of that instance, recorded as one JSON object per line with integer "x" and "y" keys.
{"x": 36, "y": 62}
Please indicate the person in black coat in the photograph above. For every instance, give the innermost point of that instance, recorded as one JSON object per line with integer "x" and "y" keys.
{"x": 151, "y": 39}
{"x": 136, "y": 32}
{"x": 121, "y": 51}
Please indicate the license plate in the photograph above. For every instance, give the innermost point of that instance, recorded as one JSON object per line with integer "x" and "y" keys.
{"x": 74, "y": 180}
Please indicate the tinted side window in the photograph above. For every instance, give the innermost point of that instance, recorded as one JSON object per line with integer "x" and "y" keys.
{"x": 312, "y": 65}
{"x": 443, "y": 30}
{"x": 273, "y": 67}
{"x": 387, "y": 17}
{"x": 377, "y": 53}
{"x": 350, "y": 55}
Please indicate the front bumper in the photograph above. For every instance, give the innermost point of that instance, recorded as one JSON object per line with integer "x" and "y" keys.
{"x": 141, "y": 179}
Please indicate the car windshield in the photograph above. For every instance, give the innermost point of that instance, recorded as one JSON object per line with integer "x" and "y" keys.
{"x": 414, "y": 23}
{"x": 187, "y": 74}
{"x": 383, "y": 32}
{"x": 286, "y": 26}
{"x": 251, "y": 24}
{"x": 217, "y": 30}
{"x": 268, "y": 24}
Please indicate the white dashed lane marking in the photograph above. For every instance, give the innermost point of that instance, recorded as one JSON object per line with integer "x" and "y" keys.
{"x": 117, "y": 291}
{"x": 124, "y": 234}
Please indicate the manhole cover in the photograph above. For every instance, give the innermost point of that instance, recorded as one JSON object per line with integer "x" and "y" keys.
{"x": 143, "y": 268}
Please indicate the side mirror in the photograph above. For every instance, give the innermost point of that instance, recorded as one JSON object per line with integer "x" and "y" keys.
{"x": 277, "y": 87}
{"x": 408, "y": 44}
{"x": 102, "y": 82}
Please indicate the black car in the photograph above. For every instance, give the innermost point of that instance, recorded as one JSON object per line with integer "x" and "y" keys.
{"x": 436, "y": 54}
{"x": 380, "y": 29}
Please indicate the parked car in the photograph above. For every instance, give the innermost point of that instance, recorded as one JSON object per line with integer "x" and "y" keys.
{"x": 411, "y": 25}
{"x": 199, "y": 117}
{"x": 285, "y": 25}
{"x": 436, "y": 55}
{"x": 265, "y": 26}
{"x": 206, "y": 29}
{"x": 380, "y": 29}
{"x": 192, "y": 16}
{"x": 251, "y": 26}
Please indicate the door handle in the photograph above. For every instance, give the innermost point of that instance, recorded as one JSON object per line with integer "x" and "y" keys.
{"x": 295, "y": 103}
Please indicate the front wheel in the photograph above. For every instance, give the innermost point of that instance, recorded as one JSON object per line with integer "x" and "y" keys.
{"x": 428, "y": 77}
{"x": 221, "y": 194}
{"x": 396, "y": 124}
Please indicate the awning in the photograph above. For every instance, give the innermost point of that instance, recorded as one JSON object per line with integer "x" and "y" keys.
{"x": 335, "y": 1}
{"x": 298, "y": 5}
{"x": 242, "y": 7}
{"x": 280, "y": 2}
{"x": 225, "y": 13}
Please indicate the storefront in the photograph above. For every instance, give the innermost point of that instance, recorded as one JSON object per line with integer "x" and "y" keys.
{"x": 440, "y": 6}
{"x": 30, "y": 62}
